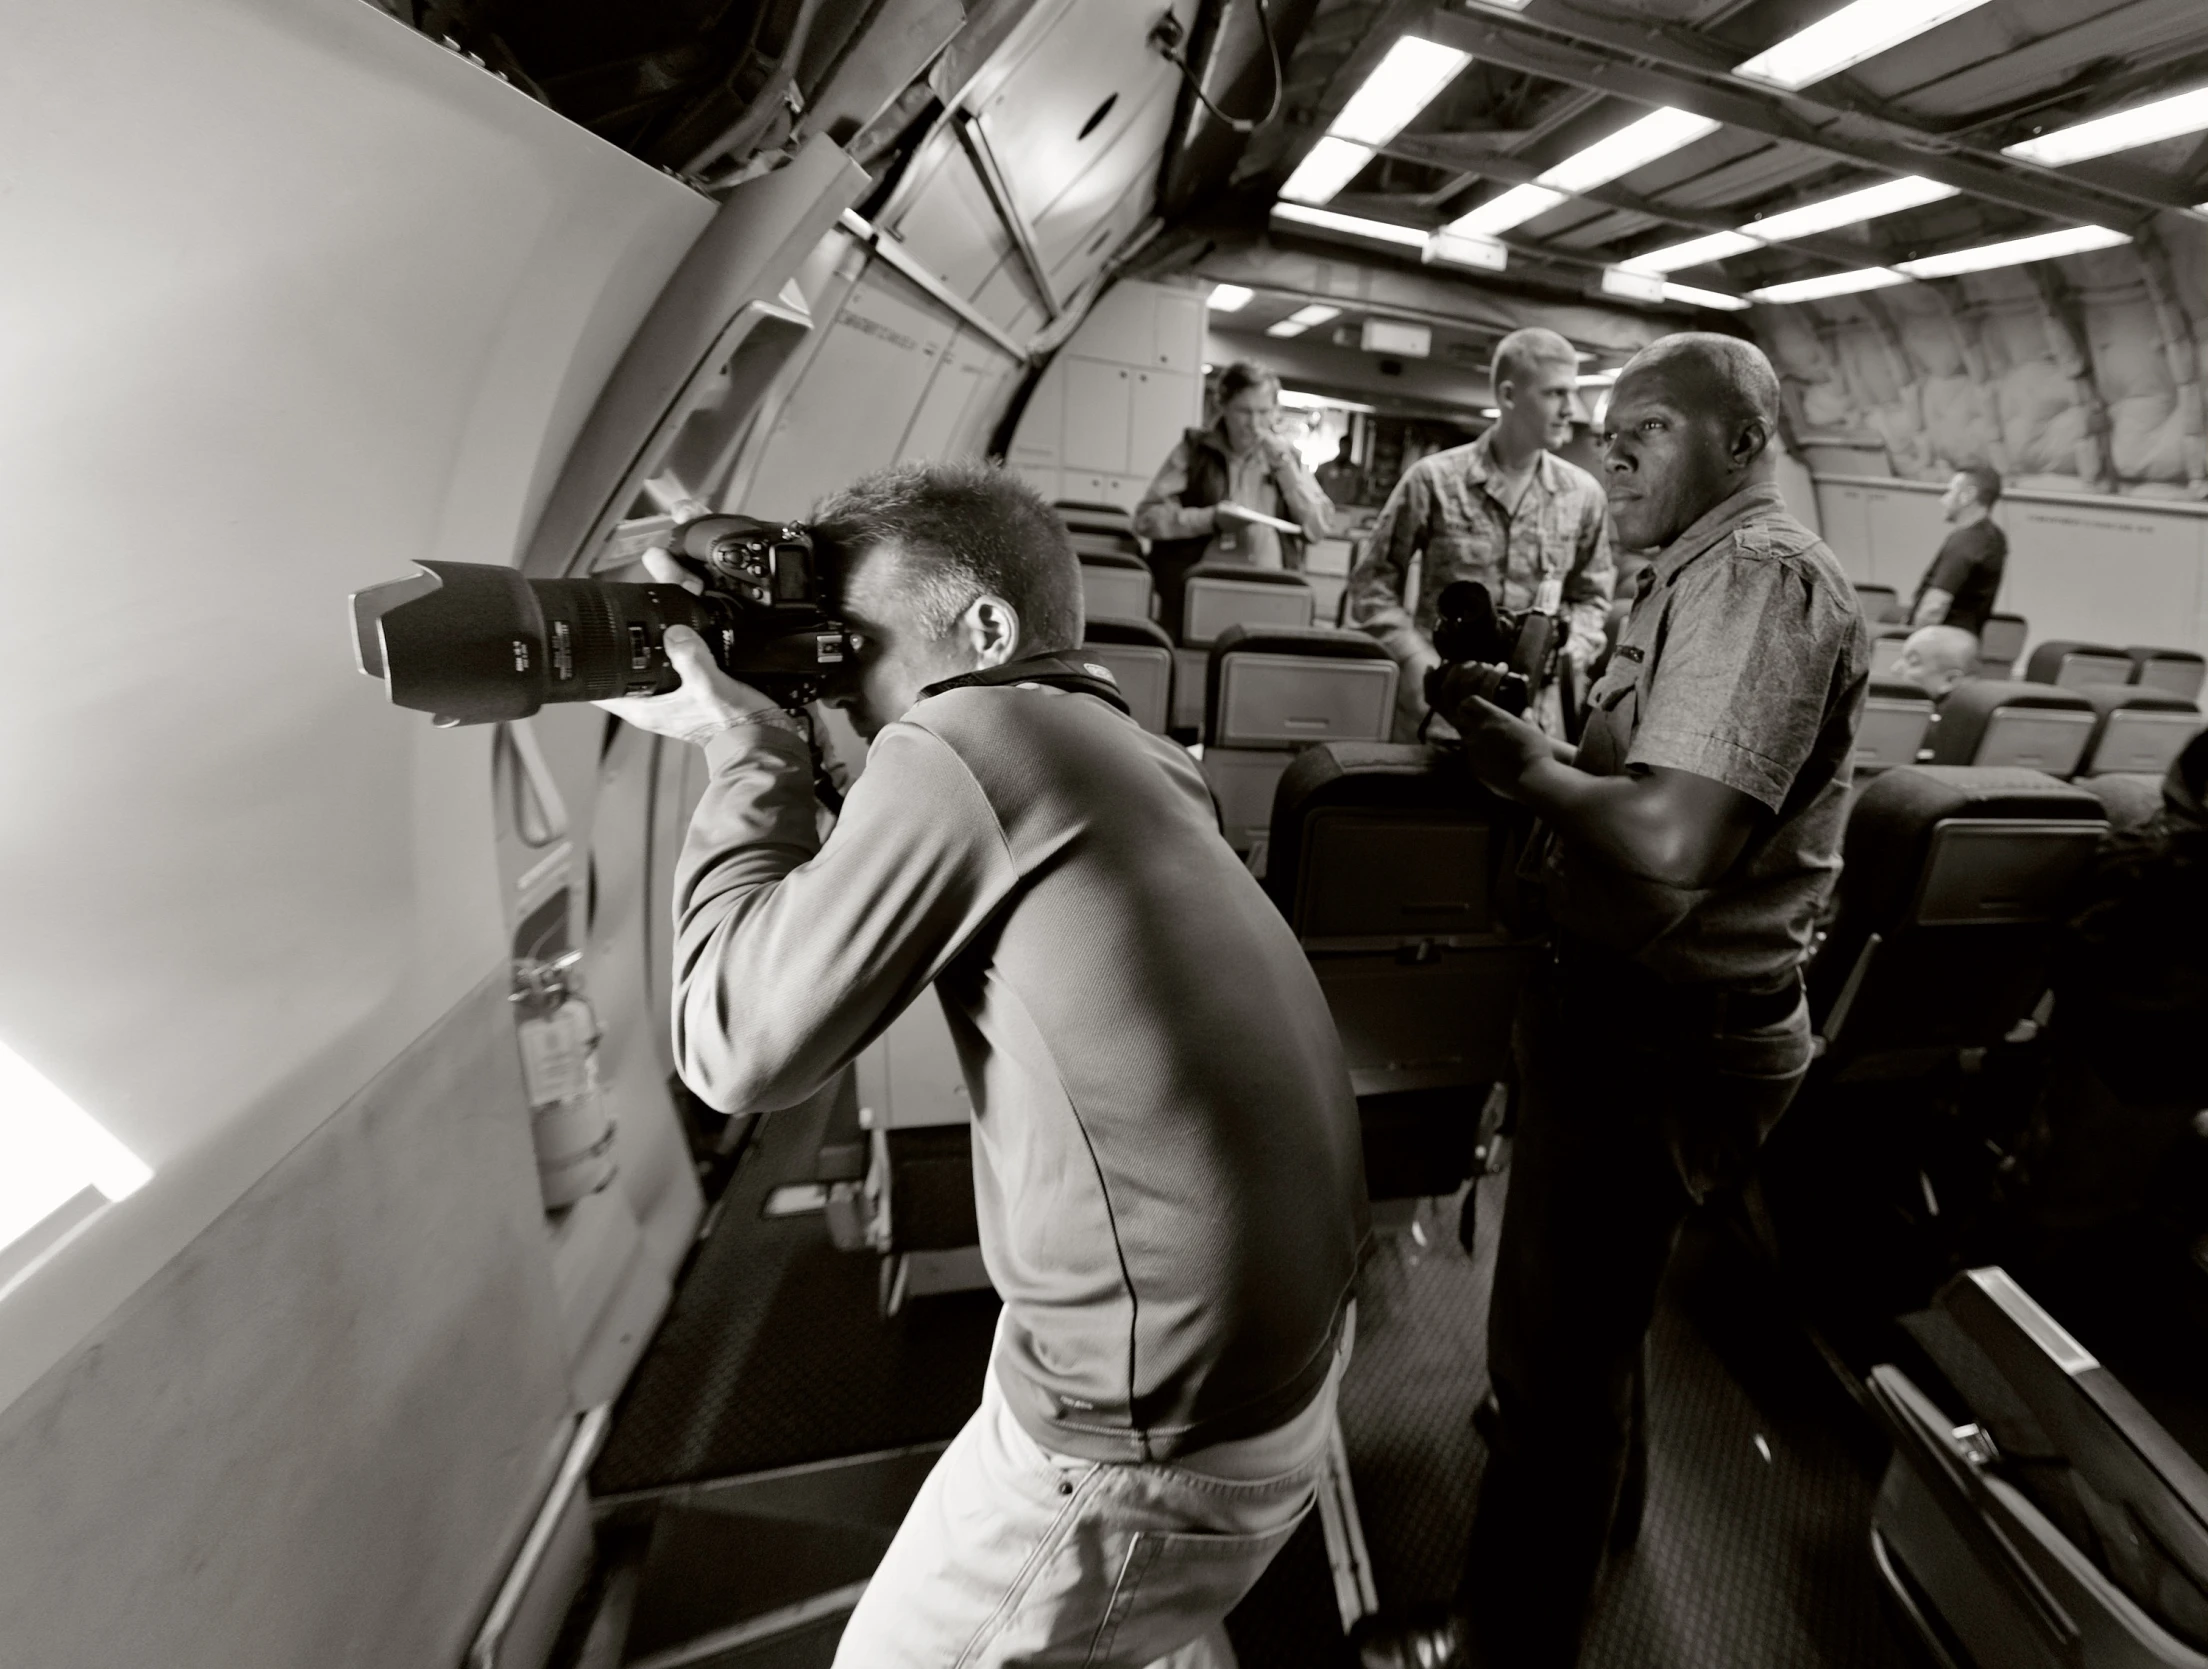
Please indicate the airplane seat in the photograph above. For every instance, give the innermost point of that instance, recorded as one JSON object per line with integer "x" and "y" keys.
{"x": 2179, "y": 671}
{"x": 1897, "y": 715}
{"x": 1390, "y": 863}
{"x": 1218, "y": 595}
{"x": 1140, "y": 658}
{"x": 2001, "y": 645}
{"x": 2136, "y": 730}
{"x": 2000, "y": 722}
{"x": 2038, "y": 1515}
{"x": 1081, "y": 517}
{"x": 1887, "y": 644}
{"x": 1272, "y": 690}
{"x": 1880, "y": 602}
{"x": 1955, "y": 877}
{"x": 2130, "y": 801}
{"x": 2072, "y": 665}
{"x": 1116, "y": 585}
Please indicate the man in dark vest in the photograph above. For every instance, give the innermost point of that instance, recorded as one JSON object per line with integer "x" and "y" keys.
{"x": 1199, "y": 507}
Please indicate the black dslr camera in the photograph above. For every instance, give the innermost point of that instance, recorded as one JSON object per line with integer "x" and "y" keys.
{"x": 473, "y": 642}
{"x": 1510, "y": 656}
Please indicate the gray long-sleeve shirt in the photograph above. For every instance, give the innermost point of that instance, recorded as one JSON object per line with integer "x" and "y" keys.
{"x": 1167, "y": 1165}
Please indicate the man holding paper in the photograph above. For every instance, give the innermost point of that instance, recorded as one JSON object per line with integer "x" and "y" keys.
{"x": 1234, "y": 493}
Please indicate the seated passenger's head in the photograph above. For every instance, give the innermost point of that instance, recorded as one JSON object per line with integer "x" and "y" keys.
{"x": 1694, "y": 419}
{"x": 946, "y": 569}
{"x": 1249, "y": 395}
{"x": 1534, "y": 374}
{"x": 1936, "y": 659}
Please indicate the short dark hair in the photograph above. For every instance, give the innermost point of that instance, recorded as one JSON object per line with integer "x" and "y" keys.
{"x": 1735, "y": 376}
{"x": 1984, "y": 481}
{"x": 963, "y": 529}
{"x": 1242, "y": 376}
{"x": 1521, "y": 354}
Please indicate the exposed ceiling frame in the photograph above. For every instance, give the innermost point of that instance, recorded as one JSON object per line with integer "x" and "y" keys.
{"x": 1642, "y": 64}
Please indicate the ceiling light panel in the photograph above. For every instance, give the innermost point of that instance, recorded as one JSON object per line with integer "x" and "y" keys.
{"x": 1229, "y": 298}
{"x": 1694, "y": 252}
{"x": 1302, "y": 319}
{"x": 2071, "y": 240}
{"x": 2125, "y": 130}
{"x": 1695, "y": 297}
{"x": 1349, "y": 225}
{"x": 1847, "y": 37}
{"x": 1655, "y": 135}
{"x": 1850, "y": 209}
{"x": 1831, "y": 284}
{"x": 1326, "y": 168}
{"x": 1514, "y": 207}
{"x": 1400, "y": 86}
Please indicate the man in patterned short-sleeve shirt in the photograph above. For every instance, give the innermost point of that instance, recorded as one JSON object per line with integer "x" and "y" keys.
{"x": 1504, "y": 511}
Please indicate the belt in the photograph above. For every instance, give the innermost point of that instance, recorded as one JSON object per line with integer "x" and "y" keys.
{"x": 1721, "y": 1006}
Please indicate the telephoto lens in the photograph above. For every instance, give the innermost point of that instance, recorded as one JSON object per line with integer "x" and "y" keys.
{"x": 473, "y": 643}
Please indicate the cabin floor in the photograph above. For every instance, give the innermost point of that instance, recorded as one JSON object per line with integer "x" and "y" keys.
{"x": 771, "y": 1437}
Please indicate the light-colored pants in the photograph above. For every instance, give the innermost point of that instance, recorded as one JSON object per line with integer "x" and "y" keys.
{"x": 1014, "y": 1556}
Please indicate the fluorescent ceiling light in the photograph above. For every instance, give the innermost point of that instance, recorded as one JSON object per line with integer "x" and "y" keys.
{"x": 1399, "y": 87}
{"x": 1229, "y": 298}
{"x": 1302, "y": 319}
{"x": 2071, "y": 240}
{"x": 1714, "y": 246}
{"x": 1451, "y": 248}
{"x": 1694, "y": 297}
{"x": 1349, "y": 225}
{"x": 2142, "y": 125}
{"x": 1832, "y": 284}
{"x": 1655, "y": 135}
{"x": 1849, "y": 208}
{"x": 1296, "y": 399}
{"x": 1847, "y": 37}
{"x": 55, "y": 1151}
{"x": 1629, "y": 285}
{"x": 1327, "y": 167}
{"x": 1402, "y": 84}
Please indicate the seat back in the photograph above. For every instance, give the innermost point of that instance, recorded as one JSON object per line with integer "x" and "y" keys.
{"x": 1094, "y": 518}
{"x": 1954, "y": 879}
{"x": 1282, "y": 688}
{"x": 2136, "y": 730}
{"x": 2070, "y": 665}
{"x": 1995, "y": 722}
{"x": 2000, "y": 644}
{"x": 2173, "y": 671}
{"x": 1896, "y": 717}
{"x": 1886, "y": 648}
{"x": 1115, "y": 586}
{"x": 1218, "y": 596}
{"x": 1879, "y": 602}
{"x": 1139, "y": 657}
{"x": 1388, "y": 862}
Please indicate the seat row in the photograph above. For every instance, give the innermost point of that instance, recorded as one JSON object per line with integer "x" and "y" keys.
{"x": 2089, "y": 730}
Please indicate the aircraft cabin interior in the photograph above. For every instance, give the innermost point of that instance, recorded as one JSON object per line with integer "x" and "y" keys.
{"x": 376, "y": 1292}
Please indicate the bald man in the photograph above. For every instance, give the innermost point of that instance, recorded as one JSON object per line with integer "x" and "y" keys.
{"x": 1505, "y": 511}
{"x": 1691, "y": 839}
{"x": 1936, "y": 659}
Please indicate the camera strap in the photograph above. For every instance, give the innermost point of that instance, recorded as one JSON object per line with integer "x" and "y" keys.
{"x": 1056, "y": 672}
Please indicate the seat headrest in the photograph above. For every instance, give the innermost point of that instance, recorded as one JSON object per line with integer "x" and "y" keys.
{"x": 2047, "y": 658}
{"x": 2129, "y": 800}
{"x": 1898, "y": 689}
{"x": 1966, "y": 709}
{"x": 1095, "y": 552}
{"x": 1255, "y": 576}
{"x": 1105, "y": 629}
{"x": 2141, "y": 653}
{"x": 2110, "y": 698}
{"x": 1890, "y": 826}
{"x": 1335, "y": 642}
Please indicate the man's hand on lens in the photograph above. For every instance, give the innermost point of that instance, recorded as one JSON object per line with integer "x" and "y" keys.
{"x": 709, "y": 701}
{"x": 1499, "y": 748}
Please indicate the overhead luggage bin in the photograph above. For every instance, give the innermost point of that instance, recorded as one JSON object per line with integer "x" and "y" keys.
{"x": 1116, "y": 586}
{"x": 2137, "y": 731}
{"x": 2001, "y": 645}
{"x": 1387, "y": 860}
{"x": 2060, "y": 1524}
{"x": 1219, "y": 596}
{"x": 2072, "y": 665}
{"x": 1955, "y": 877}
{"x": 1897, "y": 715}
{"x": 1139, "y": 657}
{"x": 1993, "y": 722}
{"x": 2177, "y": 671}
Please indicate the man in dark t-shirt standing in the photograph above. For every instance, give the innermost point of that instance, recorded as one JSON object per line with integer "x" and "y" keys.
{"x": 1958, "y": 589}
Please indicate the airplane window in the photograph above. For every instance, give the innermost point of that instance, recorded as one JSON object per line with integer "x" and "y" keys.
{"x": 61, "y": 1162}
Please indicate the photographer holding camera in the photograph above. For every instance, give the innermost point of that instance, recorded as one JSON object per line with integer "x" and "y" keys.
{"x": 1167, "y": 1165}
{"x": 1692, "y": 838}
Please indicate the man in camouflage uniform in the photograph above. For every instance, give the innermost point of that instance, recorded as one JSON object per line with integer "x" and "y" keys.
{"x": 1504, "y": 511}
